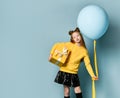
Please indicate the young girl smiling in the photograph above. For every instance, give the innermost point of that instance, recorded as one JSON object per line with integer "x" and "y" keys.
{"x": 68, "y": 73}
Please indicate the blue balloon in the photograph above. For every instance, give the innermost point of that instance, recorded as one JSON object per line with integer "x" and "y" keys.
{"x": 93, "y": 21}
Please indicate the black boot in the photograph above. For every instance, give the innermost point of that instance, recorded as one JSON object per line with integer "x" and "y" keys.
{"x": 78, "y": 95}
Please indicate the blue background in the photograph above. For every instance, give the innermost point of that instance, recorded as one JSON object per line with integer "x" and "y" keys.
{"x": 29, "y": 28}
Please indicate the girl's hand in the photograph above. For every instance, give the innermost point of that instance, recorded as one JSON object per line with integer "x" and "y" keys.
{"x": 94, "y": 78}
{"x": 50, "y": 57}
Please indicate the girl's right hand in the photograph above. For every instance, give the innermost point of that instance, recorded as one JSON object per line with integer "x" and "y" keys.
{"x": 50, "y": 57}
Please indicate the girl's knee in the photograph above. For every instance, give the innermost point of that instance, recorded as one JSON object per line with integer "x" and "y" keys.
{"x": 66, "y": 90}
{"x": 77, "y": 89}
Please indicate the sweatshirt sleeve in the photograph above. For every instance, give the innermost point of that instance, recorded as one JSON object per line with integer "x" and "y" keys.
{"x": 88, "y": 65}
{"x": 53, "y": 48}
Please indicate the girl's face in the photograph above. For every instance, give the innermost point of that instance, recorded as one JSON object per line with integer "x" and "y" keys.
{"x": 76, "y": 37}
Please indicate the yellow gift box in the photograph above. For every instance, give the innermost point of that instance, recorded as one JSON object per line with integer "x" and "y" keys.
{"x": 60, "y": 54}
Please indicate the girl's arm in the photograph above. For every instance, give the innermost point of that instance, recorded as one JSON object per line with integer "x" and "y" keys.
{"x": 89, "y": 67}
{"x": 51, "y": 52}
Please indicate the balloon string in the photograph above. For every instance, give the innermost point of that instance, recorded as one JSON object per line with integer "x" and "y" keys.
{"x": 93, "y": 89}
{"x": 95, "y": 59}
{"x": 96, "y": 70}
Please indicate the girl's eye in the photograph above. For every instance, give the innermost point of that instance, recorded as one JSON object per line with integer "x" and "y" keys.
{"x": 74, "y": 37}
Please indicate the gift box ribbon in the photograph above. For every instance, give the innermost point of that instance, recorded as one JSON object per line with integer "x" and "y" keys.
{"x": 60, "y": 54}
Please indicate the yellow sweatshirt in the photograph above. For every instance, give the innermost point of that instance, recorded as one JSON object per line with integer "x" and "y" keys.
{"x": 77, "y": 54}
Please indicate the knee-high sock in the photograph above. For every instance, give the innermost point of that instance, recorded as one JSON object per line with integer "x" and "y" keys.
{"x": 78, "y": 95}
{"x": 67, "y": 97}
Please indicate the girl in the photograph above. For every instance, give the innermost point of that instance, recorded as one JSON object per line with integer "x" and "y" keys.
{"x": 67, "y": 74}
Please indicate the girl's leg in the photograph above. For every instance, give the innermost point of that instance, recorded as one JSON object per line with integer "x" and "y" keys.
{"x": 66, "y": 91}
{"x": 78, "y": 92}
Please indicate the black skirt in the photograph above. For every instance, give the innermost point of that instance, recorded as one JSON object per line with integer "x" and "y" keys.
{"x": 68, "y": 79}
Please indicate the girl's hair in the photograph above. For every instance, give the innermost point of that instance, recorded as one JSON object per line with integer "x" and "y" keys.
{"x": 71, "y": 39}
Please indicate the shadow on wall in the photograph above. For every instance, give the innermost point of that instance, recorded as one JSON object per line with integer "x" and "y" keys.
{"x": 110, "y": 41}
{"x": 110, "y": 48}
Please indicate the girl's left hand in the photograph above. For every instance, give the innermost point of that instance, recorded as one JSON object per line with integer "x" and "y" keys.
{"x": 94, "y": 78}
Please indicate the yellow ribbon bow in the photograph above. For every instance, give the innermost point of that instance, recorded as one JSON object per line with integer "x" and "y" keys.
{"x": 60, "y": 54}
